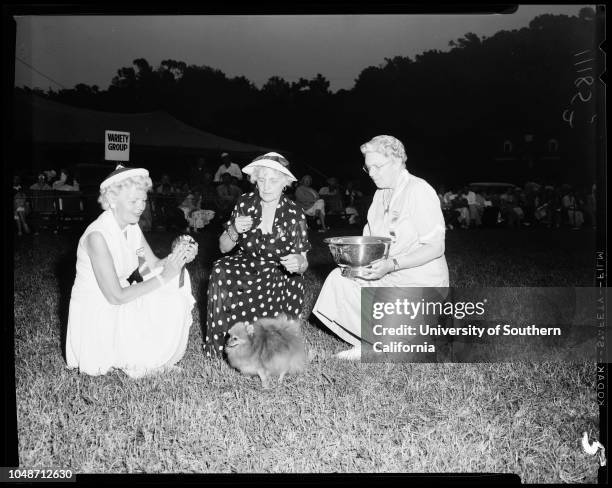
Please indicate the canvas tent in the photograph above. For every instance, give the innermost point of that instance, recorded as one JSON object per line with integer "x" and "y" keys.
{"x": 48, "y": 128}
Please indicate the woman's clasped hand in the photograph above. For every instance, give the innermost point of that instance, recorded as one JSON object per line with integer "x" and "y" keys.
{"x": 243, "y": 223}
{"x": 294, "y": 263}
{"x": 377, "y": 269}
{"x": 175, "y": 261}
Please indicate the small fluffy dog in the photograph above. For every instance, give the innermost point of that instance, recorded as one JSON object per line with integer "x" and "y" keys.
{"x": 270, "y": 347}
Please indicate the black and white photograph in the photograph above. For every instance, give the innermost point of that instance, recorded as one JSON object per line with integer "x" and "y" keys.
{"x": 361, "y": 240}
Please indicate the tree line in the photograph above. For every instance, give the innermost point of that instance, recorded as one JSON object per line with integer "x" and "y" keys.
{"x": 439, "y": 102}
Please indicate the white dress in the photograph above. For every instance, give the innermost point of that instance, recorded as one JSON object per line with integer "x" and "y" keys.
{"x": 414, "y": 217}
{"x": 138, "y": 337}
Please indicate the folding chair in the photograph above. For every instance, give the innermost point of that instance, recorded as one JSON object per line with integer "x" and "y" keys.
{"x": 71, "y": 209}
{"x": 44, "y": 209}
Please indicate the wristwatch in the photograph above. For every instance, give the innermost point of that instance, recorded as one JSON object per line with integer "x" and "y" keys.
{"x": 396, "y": 265}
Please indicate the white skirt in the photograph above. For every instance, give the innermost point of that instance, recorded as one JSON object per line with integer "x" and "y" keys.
{"x": 338, "y": 306}
{"x": 138, "y": 337}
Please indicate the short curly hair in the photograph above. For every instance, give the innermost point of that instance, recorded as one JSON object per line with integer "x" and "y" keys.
{"x": 258, "y": 169}
{"x": 388, "y": 146}
{"x": 140, "y": 182}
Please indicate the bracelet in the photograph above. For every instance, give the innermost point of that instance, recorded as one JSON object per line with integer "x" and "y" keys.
{"x": 227, "y": 231}
{"x": 161, "y": 280}
{"x": 303, "y": 266}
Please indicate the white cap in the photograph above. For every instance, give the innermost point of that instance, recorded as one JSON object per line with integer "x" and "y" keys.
{"x": 121, "y": 173}
{"x": 270, "y": 160}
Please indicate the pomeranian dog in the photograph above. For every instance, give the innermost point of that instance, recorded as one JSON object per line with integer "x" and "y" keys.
{"x": 267, "y": 348}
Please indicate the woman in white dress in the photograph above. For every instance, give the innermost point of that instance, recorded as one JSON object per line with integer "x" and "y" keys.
{"x": 128, "y": 309}
{"x": 406, "y": 209}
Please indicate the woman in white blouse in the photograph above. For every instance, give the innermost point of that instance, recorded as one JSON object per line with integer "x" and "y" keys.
{"x": 405, "y": 208}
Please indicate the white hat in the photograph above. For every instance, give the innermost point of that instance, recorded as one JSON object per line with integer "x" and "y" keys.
{"x": 270, "y": 160}
{"x": 121, "y": 173}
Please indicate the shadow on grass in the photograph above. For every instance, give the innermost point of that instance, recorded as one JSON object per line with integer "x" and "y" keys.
{"x": 65, "y": 271}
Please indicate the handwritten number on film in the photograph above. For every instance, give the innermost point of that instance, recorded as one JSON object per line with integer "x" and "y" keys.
{"x": 583, "y": 86}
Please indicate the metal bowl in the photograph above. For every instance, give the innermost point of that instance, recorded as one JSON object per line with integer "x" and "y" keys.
{"x": 358, "y": 251}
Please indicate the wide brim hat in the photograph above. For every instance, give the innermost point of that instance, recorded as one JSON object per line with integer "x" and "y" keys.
{"x": 270, "y": 160}
{"x": 122, "y": 173}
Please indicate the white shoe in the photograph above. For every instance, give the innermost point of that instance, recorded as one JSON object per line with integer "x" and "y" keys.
{"x": 352, "y": 354}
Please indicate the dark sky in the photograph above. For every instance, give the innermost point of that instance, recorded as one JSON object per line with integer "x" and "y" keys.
{"x": 90, "y": 49}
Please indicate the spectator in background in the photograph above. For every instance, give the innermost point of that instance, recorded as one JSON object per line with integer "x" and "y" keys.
{"x": 589, "y": 207}
{"x": 227, "y": 167}
{"x": 571, "y": 208}
{"x": 187, "y": 206}
{"x": 165, "y": 187}
{"x": 51, "y": 176}
{"x": 164, "y": 199}
{"x": 460, "y": 207}
{"x": 353, "y": 199}
{"x": 308, "y": 200}
{"x": 530, "y": 192}
{"x": 195, "y": 217}
{"x": 541, "y": 212}
{"x": 332, "y": 195}
{"x": 518, "y": 200}
{"x": 481, "y": 203}
{"x": 66, "y": 182}
{"x": 507, "y": 205}
{"x": 197, "y": 173}
{"x": 199, "y": 218}
{"x": 182, "y": 186}
{"x": 556, "y": 207}
{"x": 41, "y": 183}
{"x": 446, "y": 206}
{"x": 470, "y": 198}
{"x": 208, "y": 192}
{"x": 228, "y": 193}
{"x": 19, "y": 207}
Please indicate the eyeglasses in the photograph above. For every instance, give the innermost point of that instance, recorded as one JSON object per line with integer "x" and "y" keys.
{"x": 367, "y": 169}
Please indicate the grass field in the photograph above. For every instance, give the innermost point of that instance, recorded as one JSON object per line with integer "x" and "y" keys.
{"x": 523, "y": 418}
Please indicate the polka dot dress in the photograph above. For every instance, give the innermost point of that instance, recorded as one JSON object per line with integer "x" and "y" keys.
{"x": 252, "y": 283}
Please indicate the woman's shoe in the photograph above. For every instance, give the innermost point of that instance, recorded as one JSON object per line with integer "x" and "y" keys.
{"x": 352, "y": 354}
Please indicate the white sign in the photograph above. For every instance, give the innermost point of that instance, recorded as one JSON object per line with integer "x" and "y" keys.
{"x": 116, "y": 145}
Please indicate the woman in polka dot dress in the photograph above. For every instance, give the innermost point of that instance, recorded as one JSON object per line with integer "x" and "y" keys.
{"x": 264, "y": 277}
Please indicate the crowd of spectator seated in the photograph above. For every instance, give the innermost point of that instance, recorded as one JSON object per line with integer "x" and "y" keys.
{"x": 533, "y": 205}
{"x": 35, "y": 198}
{"x": 202, "y": 196}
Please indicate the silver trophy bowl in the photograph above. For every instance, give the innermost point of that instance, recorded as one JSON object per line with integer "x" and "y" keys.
{"x": 353, "y": 253}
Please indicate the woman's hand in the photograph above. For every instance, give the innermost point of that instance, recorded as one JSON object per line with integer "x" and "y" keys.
{"x": 294, "y": 263}
{"x": 193, "y": 249}
{"x": 175, "y": 262}
{"x": 377, "y": 269}
{"x": 243, "y": 223}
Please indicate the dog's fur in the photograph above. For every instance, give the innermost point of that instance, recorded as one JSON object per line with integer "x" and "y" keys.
{"x": 267, "y": 348}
